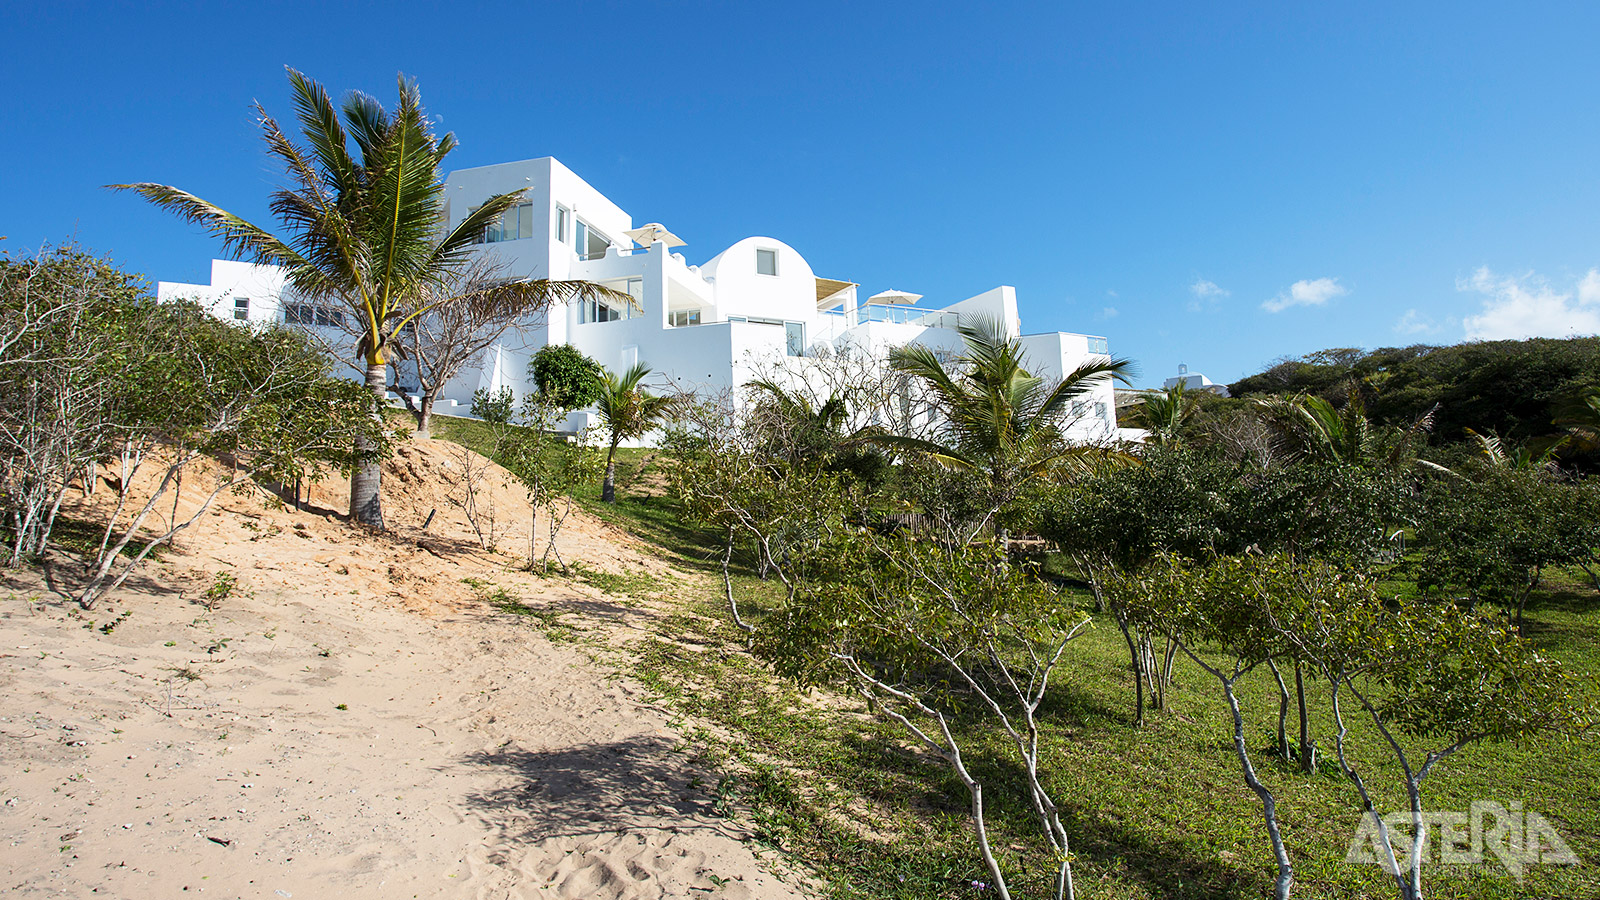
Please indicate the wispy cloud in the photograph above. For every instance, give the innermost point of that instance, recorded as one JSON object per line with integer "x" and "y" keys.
{"x": 1109, "y": 312}
{"x": 1306, "y": 292}
{"x": 1414, "y": 322}
{"x": 1206, "y": 293}
{"x": 1528, "y": 306}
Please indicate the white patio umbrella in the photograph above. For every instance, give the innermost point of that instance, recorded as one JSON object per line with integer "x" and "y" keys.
{"x": 646, "y": 235}
{"x": 894, "y": 298}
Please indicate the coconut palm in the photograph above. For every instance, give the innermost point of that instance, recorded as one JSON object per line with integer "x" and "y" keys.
{"x": 1346, "y": 435}
{"x": 627, "y": 411}
{"x": 993, "y": 417}
{"x": 1581, "y": 415}
{"x": 1500, "y": 454}
{"x": 1164, "y": 413}
{"x": 361, "y": 228}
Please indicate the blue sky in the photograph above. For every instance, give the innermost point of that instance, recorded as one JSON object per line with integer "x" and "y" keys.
{"x": 1217, "y": 187}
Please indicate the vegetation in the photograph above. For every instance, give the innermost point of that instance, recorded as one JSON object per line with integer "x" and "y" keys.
{"x": 1241, "y": 562}
{"x": 96, "y": 374}
{"x": 361, "y": 230}
{"x": 565, "y": 377}
{"x": 627, "y": 412}
{"x": 1510, "y": 388}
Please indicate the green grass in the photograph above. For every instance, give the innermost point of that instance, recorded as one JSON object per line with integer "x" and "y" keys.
{"x": 1154, "y": 812}
{"x": 1157, "y": 812}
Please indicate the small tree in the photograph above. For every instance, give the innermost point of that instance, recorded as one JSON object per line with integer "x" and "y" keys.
{"x": 550, "y": 467}
{"x": 65, "y": 331}
{"x": 1211, "y": 613}
{"x": 1494, "y": 532}
{"x": 261, "y": 404}
{"x": 565, "y": 377}
{"x": 627, "y": 412}
{"x": 462, "y": 318}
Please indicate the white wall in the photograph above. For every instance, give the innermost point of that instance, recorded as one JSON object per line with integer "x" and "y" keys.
{"x": 261, "y": 285}
{"x": 790, "y": 295}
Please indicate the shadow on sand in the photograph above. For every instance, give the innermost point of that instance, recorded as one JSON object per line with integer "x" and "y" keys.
{"x": 627, "y": 785}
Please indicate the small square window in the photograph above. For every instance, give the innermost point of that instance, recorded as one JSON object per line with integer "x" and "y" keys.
{"x": 241, "y": 308}
{"x": 766, "y": 262}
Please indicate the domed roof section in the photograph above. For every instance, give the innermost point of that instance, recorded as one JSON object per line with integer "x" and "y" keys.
{"x": 763, "y": 278}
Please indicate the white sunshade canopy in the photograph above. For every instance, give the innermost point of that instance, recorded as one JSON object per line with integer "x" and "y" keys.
{"x": 646, "y": 235}
{"x": 894, "y": 298}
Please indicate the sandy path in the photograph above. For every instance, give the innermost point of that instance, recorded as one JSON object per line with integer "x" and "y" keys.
{"x": 203, "y": 751}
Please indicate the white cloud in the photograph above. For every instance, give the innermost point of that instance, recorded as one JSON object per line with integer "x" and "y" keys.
{"x": 1527, "y": 306}
{"x": 1206, "y": 294}
{"x": 1414, "y": 322}
{"x": 1306, "y": 292}
{"x": 1110, "y": 312}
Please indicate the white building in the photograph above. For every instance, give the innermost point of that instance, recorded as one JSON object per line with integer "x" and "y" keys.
{"x": 1194, "y": 381}
{"x": 703, "y": 326}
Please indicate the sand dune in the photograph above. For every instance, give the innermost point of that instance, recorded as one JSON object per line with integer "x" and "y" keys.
{"x": 353, "y": 722}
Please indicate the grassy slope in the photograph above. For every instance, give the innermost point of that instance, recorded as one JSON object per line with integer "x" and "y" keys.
{"x": 1159, "y": 812}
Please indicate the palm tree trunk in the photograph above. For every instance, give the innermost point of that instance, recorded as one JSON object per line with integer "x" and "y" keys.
{"x": 608, "y": 491}
{"x": 365, "y": 506}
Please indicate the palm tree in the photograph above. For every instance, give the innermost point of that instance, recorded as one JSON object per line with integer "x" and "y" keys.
{"x": 995, "y": 419}
{"x": 361, "y": 228}
{"x": 1581, "y": 415}
{"x": 1346, "y": 435}
{"x": 1498, "y": 453}
{"x": 627, "y": 411}
{"x": 1164, "y": 413}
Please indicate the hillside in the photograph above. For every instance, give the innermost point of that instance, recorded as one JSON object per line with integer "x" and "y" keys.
{"x": 1505, "y": 387}
{"x": 361, "y": 716}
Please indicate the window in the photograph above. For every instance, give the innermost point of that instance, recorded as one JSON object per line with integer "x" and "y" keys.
{"x": 682, "y": 318}
{"x": 241, "y": 308}
{"x": 561, "y": 224}
{"x": 598, "y": 311}
{"x": 1100, "y": 411}
{"x": 515, "y": 224}
{"x": 766, "y": 262}
{"x": 309, "y": 314}
{"x": 591, "y": 244}
{"x": 1098, "y": 345}
{"x": 794, "y": 334}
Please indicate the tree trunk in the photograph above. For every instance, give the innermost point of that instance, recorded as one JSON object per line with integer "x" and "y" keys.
{"x": 425, "y": 418}
{"x": 365, "y": 505}
{"x": 1283, "y": 713}
{"x": 608, "y": 490}
{"x": 1308, "y": 751}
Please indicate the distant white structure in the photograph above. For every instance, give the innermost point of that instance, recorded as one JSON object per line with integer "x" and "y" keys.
{"x": 1194, "y": 381}
{"x": 708, "y": 325}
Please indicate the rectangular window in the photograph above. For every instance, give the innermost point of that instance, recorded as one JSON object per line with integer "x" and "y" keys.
{"x": 682, "y": 318}
{"x": 794, "y": 334}
{"x": 561, "y": 224}
{"x": 766, "y": 262}
{"x": 241, "y": 308}
{"x": 590, "y": 244}
{"x": 595, "y": 311}
{"x": 309, "y": 314}
{"x": 515, "y": 224}
{"x": 1100, "y": 411}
